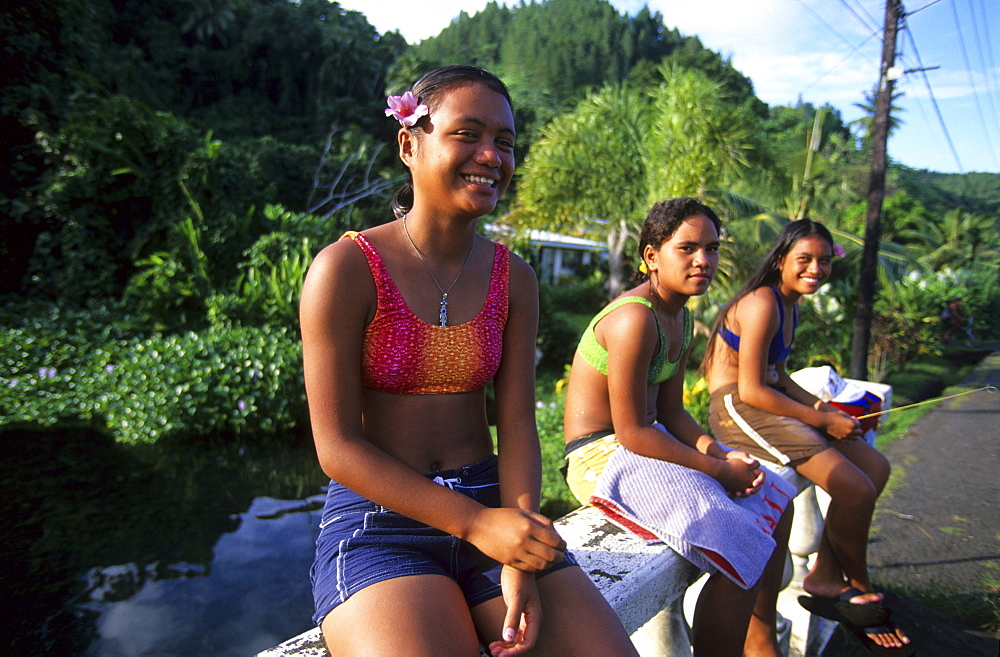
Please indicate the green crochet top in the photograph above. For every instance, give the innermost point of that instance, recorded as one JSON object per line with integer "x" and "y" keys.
{"x": 660, "y": 369}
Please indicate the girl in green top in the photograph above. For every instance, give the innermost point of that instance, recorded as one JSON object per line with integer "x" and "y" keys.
{"x": 625, "y": 391}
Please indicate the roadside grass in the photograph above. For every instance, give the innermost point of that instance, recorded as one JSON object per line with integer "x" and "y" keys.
{"x": 980, "y": 608}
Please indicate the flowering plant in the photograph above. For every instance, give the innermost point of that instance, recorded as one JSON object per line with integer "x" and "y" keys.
{"x": 407, "y": 109}
{"x": 838, "y": 250}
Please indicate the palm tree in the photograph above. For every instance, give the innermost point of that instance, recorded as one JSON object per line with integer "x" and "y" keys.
{"x": 699, "y": 139}
{"x": 586, "y": 174}
{"x": 958, "y": 240}
{"x": 596, "y": 170}
{"x": 209, "y": 19}
{"x": 865, "y": 126}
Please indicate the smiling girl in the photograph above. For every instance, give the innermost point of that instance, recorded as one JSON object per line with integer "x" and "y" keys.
{"x": 635, "y": 452}
{"x": 429, "y": 542}
{"x": 758, "y": 408}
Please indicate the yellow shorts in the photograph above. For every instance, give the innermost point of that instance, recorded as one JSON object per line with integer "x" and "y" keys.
{"x": 586, "y": 463}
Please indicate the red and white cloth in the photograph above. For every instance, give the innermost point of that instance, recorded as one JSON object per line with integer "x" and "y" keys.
{"x": 691, "y": 512}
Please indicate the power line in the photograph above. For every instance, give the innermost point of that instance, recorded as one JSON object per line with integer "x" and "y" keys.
{"x": 930, "y": 92}
{"x": 861, "y": 6}
{"x": 830, "y": 27}
{"x": 868, "y": 25}
{"x": 972, "y": 80}
{"x": 854, "y": 48}
{"x": 840, "y": 62}
{"x": 991, "y": 65}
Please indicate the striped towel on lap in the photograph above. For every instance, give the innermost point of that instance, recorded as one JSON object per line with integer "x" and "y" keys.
{"x": 692, "y": 513}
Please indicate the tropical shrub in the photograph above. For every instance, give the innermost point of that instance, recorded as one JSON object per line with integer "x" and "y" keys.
{"x": 239, "y": 381}
{"x": 826, "y": 329}
{"x": 564, "y": 312}
{"x": 90, "y": 367}
{"x": 268, "y": 288}
{"x": 556, "y": 499}
{"x": 110, "y": 189}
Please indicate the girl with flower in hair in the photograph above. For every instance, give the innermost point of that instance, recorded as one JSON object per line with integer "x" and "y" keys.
{"x": 758, "y": 408}
{"x": 430, "y": 543}
{"x": 634, "y": 451}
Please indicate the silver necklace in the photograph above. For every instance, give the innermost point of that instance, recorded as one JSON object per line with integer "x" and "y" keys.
{"x": 443, "y": 312}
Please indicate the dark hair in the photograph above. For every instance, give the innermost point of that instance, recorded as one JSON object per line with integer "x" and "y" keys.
{"x": 769, "y": 270}
{"x": 431, "y": 89}
{"x": 663, "y": 220}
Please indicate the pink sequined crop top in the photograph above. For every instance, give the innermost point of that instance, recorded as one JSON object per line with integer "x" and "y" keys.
{"x": 405, "y": 355}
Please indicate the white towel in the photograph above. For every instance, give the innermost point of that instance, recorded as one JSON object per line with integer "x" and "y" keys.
{"x": 692, "y": 513}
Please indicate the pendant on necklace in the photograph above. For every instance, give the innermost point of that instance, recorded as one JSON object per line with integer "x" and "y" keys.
{"x": 443, "y": 313}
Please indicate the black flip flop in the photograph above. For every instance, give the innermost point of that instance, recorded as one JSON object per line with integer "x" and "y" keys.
{"x": 860, "y": 619}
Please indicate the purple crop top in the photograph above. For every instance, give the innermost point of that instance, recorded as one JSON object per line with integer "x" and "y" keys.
{"x": 777, "y": 352}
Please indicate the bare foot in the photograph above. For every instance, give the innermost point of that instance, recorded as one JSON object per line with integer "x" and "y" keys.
{"x": 762, "y": 648}
{"x": 892, "y": 638}
{"x": 828, "y": 589}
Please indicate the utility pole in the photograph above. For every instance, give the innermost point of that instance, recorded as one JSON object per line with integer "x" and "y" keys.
{"x": 876, "y": 192}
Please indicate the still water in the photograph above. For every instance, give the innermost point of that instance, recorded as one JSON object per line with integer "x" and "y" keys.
{"x": 115, "y": 551}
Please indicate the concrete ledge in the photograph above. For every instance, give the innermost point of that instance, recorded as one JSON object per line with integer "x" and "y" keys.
{"x": 638, "y": 580}
{"x": 307, "y": 644}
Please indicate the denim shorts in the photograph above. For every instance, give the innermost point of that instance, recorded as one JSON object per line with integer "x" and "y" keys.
{"x": 361, "y": 543}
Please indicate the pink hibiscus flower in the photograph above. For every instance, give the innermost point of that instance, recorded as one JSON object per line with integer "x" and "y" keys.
{"x": 407, "y": 109}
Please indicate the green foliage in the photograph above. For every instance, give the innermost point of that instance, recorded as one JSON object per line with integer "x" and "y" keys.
{"x": 556, "y": 498}
{"x": 563, "y": 46}
{"x": 85, "y": 367}
{"x": 825, "y": 329}
{"x": 268, "y": 288}
{"x": 955, "y": 240}
{"x": 692, "y": 55}
{"x": 248, "y": 67}
{"x": 176, "y": 291}
{"x": 588, "y": 164}
{"x": 110, "y": 191}
{"x": 33, "y": 48}
{"x": 907, "y": 318}
{"x": 696, "y": 398}
{"x": 564, "y": 312}
{"x": 700, "y": 137}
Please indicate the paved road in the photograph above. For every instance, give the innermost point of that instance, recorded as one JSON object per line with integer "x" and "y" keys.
{"x": 937, "y": 528}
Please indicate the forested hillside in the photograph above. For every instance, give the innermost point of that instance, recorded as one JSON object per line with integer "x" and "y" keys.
{"x": 978, "y": 193}
{"x": 552, "y": 53}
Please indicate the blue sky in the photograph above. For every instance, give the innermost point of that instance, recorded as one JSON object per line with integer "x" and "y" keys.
{"x": 825, "y": 51}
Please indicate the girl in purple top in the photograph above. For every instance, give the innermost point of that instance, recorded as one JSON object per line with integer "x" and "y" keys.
{"x": 757, "y": 407}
